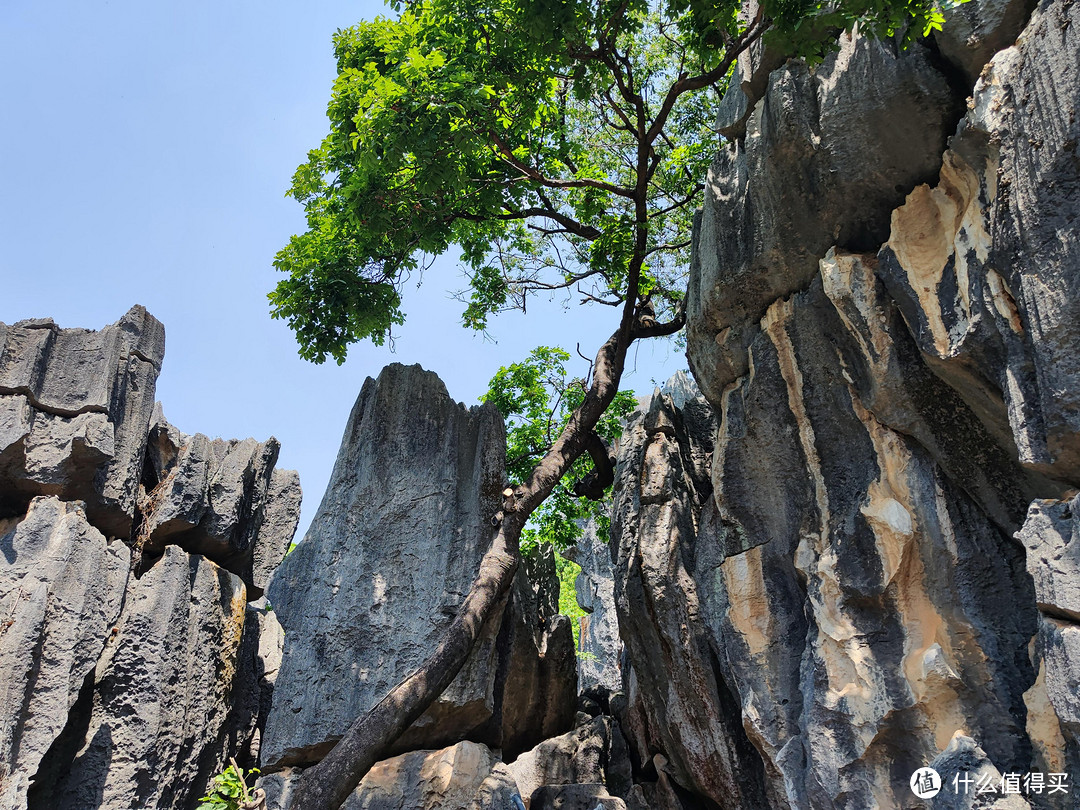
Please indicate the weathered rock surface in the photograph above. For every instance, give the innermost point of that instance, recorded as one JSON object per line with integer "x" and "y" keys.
{"x": 75, "y": 408}
{"x": 678, "y": 705}
{"x": 853, "y": 137}
{"x": 898, "y": 615}
{"x": 1051, "y": 535}
{"x": 465, "y": 776}
{"x": 575, "y": 797}
{"x": 594, "y": 588}
{"x": 390, "y": 554}
{"x": 983, "y": 266}
{"x": 152, "y": 737}
{"x": 257, "y": 663}
{"x": 969, "y": 779}
{"x": 843, "y": 595}
{"x": 594, "y": 753}
{"x": 130, "y": 670}
{"x": 974, "y": 32}
{"x": 61, "y": 588}
{"x": 220, "y": 498}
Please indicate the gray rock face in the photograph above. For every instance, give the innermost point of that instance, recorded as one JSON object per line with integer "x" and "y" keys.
{"x": 677, "y": 703}
{"x": 1051, "y": 535}
{"x": 592, "y": 754}
{"x": 220, "y": 498}
{"x": 465, "y": 776}
{"x": 575, "y": 797}
{"x": 983, "y": 266}
{"x": 853, "y": 136}
{"x": 61, "y": 587}
{"x": 965, "y": 770}
{"x": 901, "y": 629}
{"x": 974, "y": 32}
{"x": 843, "y": 594}
{"x": 160, "y": 694}
{"x": 543, "y": 576}
{"x": 390, "y": 554}
{"x": 130, "y": 670}
{"x": 1053, "y": 703}
{"x": 257, "y": 663}
{"x": 594, "y": 588}
{"x": 75, "y": 408}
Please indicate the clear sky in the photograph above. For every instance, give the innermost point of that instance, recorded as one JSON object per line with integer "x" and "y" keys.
{"x": 145, "y": 148}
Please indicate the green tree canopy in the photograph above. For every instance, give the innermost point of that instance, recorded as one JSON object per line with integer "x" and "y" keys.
{"x": 537, "y": 398}
{"x": 557, "y": 142}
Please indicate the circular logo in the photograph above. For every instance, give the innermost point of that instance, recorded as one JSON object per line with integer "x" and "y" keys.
{"x": 926, "y": 783}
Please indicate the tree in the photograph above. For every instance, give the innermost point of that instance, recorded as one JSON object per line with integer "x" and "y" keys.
{"x": 562, "y": 145}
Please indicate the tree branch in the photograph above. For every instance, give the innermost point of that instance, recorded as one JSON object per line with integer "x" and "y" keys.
{"x": 534, "y": 174}
{"x": 602, "y": 476}
{"x": 662, "y": 329}
{"x": 687, "y": 84}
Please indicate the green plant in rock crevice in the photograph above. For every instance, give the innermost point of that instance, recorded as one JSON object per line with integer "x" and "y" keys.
{"x": 229, "y": 790}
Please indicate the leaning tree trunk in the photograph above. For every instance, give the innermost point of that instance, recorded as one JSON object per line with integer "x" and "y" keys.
{"x": 327, "y": 785}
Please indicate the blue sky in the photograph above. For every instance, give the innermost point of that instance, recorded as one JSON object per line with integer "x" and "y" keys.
{"x": 145, "y": 148}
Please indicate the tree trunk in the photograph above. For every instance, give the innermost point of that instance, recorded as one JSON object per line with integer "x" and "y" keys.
{"x": 327, "y": 785}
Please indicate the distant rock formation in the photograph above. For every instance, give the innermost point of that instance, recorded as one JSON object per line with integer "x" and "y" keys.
{"x": 600, "y": 648}
{"x": 131, "y": 664}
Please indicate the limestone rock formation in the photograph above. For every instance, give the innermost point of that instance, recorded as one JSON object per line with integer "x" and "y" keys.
{"x": 1051, "y": 535}
{"x": 130, "y": 669}
{"x": 750, "y": 80}
{"x": 390, "y": 554}
{"x": 677, "y": 702}
{"x": 593, "y": 754}
{"x": 75, "y": 409}
{"x": 853, "y": 553}
{"x": 160, "y": 693}
{"x": 576, "y": 797}
{"x": 594, "y": 587}
{"x": 466, "y": 776}
{"x": 61, "y": 588}
{"x": 983, "y": 265}
{"x": 965, "y": 770}
{"x": 223, "y": 499}
{"x": 257, "y": 663}
{"x": 835, "y": 597}
{"x": 974, "y": 32}
{"x": 853, "y": 136}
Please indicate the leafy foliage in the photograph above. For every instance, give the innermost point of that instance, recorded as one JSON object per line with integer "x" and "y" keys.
{"x": 227, "y": 790}
{"x": 557, "y": 142}
{"x": 537, "y": 397}
{"x": 567, "y": 571}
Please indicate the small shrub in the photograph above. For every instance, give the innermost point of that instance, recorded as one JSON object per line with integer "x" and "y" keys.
{"x": 228, "y": 790}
